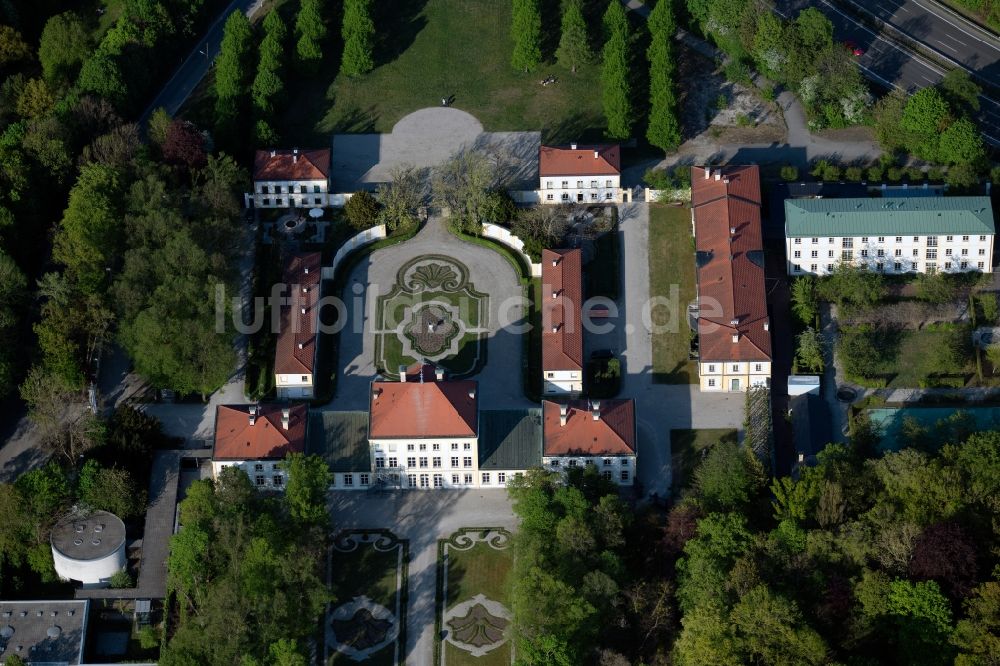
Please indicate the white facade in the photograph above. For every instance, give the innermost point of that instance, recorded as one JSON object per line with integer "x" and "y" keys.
{"x": 290, "y": 194}
{"x": 580, "y": 189}
{"x": 948, "y": 253}
{"x": 733, "y": 376}
{"x": 427, "y": 463}
{"x": 294, "y": 386}
{"x": 562, "y": 382}
{"x": 89, "y": 549}
{"x": 264, "y": 474}
{"x": 620, "y": 469}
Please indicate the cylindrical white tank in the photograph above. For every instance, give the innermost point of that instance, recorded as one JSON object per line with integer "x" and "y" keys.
{"x": 89, "y": 547}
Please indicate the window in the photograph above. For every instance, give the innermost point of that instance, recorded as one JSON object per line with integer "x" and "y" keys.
{"x": 436, "y": 461}
{"x": 573, "y": 462}
{"x": 982, "y": 252}
{"x": 916, "y": 253}
{"x": 565, "y": 184}
{"x": 348, "y": 479}
{"x": 501, "y": 477}
{"x": 830, "y": 254}
{"x": 265, "y": 201}
{"x": 607, "y": 462}
{"x": 847, "y": 242}
{"x": 980, "y": 266}
{"x": 965, "y": 239}
{"x": 798, "y": 241}
{"x": 468, "y": 479}
{"x": 423, "y": 480}
{"x": 579, "y": 183}
{"x": 881, "y": 239}
{"x": 548, "y": 197}
{"x": 423, "y": 461}
{"x": 411, "y": 480}
{"x": 965, "y": 251}
{"x": 880, "y": 267}
{"x": 317, "y": 201}
{"x": 410, "y": 447}
{"x": 624, "y": 462}
{"x": 438, "y": 481}
{"x": 916, "y": 239}
{"x": 467, "y": 446}
{"x": 964, "y": 265}
{"x": 423, "y": 447}
{"x": 815, "y": 240}
{"x": 486, "y": 478}
{"x": 454, "y": 461}
{"x": 454, "y": 446}
{"x": 947, "y": 265}
{"x": 454, "y": 479}
{"x": 830, "y": 240}
{"x": 711, "y": 367}
{"x": 931, "y": 254}
{"x": 982, "y": 238}
{"x": 711, "y": 383}
{"x": 899, "y": 253}
{"x": 864, "y": 253}
{"x": 947, "y": 252}
{"x": 278, "y": 480}
{"x": 302, "y": 189}
{"x": 380, "y": 462}
{"x": 899, "y": 239}
{"x": 847, "y": 255}
{"x": 757, "y": 367}
{"x": 548, "y": 184}
{"x": 393, "y": 462}
{"x": 593, "y": 183}
{"x": 555, "y": 463}
{"x": 550, "y": 375}
{"x": 593, "y": 196}
{"x": 411, "y": 461}
{"x": 258, "y": 467}
{"x": 607, "y": 183}
{"x": 881, "y": 253}
{"x": 315, "y": 189}
{"x": 949, "y": 238}
{"x": 606, "y": 474}
{"x": 467, "y": 461}
{"x": 932, "y": 241}
{"x": 435, "y": 447}
{"x": 812, "y": 267}
{"x": 365, "y": 479}
{"x": 797, "y": 268}
{"x": 259, "y": 479}
{"x": 864, "y": 239}
{"x": 798, "y": 254}
{"x": 625, "y": 475}
{"x": 814, "y": 254}
{"x": 265, "y": 189}
{"x": 829, "y": 268}
{"x": 736, "y": 367}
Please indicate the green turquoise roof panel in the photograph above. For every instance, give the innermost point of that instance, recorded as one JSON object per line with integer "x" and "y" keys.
{"x": 893, "y": 216}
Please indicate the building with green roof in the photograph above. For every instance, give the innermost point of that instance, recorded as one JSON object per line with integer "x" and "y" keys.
{"x": 890, "y": 235}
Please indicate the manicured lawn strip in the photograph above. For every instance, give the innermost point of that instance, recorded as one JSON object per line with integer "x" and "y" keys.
{"x": 451, "y": 47}
{"x": 671, "y": 262}
{"x": 498, "y": 657}
{"x": 603, "y": 272}
{"x": 389, "y": 355}
{"x": 920, "y": 357}
{"x": 395, "y": 307}
{"x": 533, "y": 343}
{"x": 686, "y": 447}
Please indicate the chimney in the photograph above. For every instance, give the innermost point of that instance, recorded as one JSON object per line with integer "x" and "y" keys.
{"x": 767, "y": 325}
{"x": 732, "y": 231}
{"x": 734, "y": 321}
{"x": 402, "y": 374}
{"x": 596, "y": 154}
{"x": 305, "y": 290}
{"x": 555, "y": 293}
{"x": 300, "y": 345}
{"x": 295, "y": 151}
{"x": 555, "y": 329}
{"x": 595, "y": 409}
{"x": 375, "y": 393}
{"x": 273, "y": 153}
{"x": 555, "y": 262}
{"x": 572, "y": 146}
{"x": 285, "y": 416}
{"x": 708, "y": 172}
{"x": 253, "y": 414}
{"x": 303, "y": 310}
{"x": 802, "y": 458}
{"x": 439, "y": 374}
{"x": 306, "y": 270}
{"x": 718, "y": 176}
{"x": 736, "y": 337}
{"x": 725, "y": 180}
{"x": 563, "y": 414}
{"x": 472, "y": 394}
{"x": 295, "y": 159}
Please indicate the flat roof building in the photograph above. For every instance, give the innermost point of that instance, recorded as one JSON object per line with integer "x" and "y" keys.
{"x": 88, "y": 547}
{"x": 51, "y": 633}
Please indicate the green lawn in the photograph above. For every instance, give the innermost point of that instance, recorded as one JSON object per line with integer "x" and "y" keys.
{"x": 479, "y": 570}
{"x": 533, "y": 343}
{"x": 602, "y": 273}
{"x": 686, "y": 451}
{"x": 366, "y": 571}
{"x": 448, "y": 47}
{"x": 936, "y": 355}
{"x": 671, "y": 262}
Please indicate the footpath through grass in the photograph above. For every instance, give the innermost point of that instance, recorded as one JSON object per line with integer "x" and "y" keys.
{"x": 439, "y": 49}
{"x": 671, "y": 263}
{"x": 687, "y": 447}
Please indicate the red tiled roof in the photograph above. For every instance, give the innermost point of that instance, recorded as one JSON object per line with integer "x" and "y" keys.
{"x": 730, "y": 260}
{"x": 236, "y": 439}
{"x": 562, "y": 349}
{"x": 292, "y": 164}
{"x": 581, "y": 161}
{"x": 423, "y": 409}
{"x": 613, "y": 433}
{"x": 302, "y": 271}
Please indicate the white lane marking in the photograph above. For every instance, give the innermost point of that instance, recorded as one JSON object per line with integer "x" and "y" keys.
{"x": 931, "y": 11}
{"x": 947, "y": 46}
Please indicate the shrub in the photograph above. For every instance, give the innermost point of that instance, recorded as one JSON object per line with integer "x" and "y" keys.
{"x": 148, "y": 638}
{"x": 989, "y": 308}
{"x": 362, "y": 210}
{"x": 738, "y": 72}
{"x": 121, "y": 580}
{"x": 895, "y": 174}
{"x": 721, "y": 102}
{"x": 875, "y": 174}
{"x": 789, "y": 172}
{"x": 936, "y": 287}
{"x": 935, "y": 175}
{"x": 915, "y": 174}
{"x": 855, "y": 174}
{"x": 995, "y": 175}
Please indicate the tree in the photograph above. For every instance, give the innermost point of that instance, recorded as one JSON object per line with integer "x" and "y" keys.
{"x": 707, "y": 638}
{"x": 526, "y": 28}
{"x": 311, "y": 30}
{"x": 110, "y": 489}
{"x": 184, "y": 145}
{"x": 809, "y": 350}
{"x": 616, "y": 92}
{"x": 574, "y": 46}
{"x": 664, "y": 125}
{"x": 102, "y": 76}
{"x": 462, "y": 184}
{"x": 400, "y": 198}
{"x": 945, "y": 553}
{"x": 804, "y": 299}
{"x": 64, "y": 46}
{"x": 232, "y": 76}
{"x": 772, "y": 630}
{"x": 723, "y": 480}
{"x": 359, "y": 35}
{"x": 13, "y": 48}
{"x": 936, "y": 287}
{"x": 923, "y": 617}
{"x": 89, "y": 238}
{"x": 977, "y": 637}
{"x": 267, "y": 84}
{"x": 925, "y": 116}
{"x": 859, "y": 351}
{"x": 852, "y": 286}
{"x": 960, "y": 90}
{"x": 308, "y": 480}
{"x": 961, "y": 143}
{"x": 362, "y": 210}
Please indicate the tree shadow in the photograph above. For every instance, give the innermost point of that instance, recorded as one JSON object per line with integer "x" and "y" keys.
{"x": 397, "y": 25}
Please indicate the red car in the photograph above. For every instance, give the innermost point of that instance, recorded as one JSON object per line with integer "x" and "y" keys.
{"x": 856, "y": 50}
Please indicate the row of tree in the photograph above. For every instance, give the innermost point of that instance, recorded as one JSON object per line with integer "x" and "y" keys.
{"x": 248, "y": 569}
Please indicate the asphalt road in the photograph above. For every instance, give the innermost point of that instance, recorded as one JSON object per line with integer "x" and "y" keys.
{"x": 888, "y": 64}
{"x": 187, "y": 76}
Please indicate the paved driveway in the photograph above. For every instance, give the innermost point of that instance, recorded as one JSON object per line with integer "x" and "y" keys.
{"x": 423, "y": 517}
{"x": 500, "y": 383}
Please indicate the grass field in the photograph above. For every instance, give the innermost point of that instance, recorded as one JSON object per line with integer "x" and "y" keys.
{"x": 686, "y": 451}
{"x": 938, "y": 354}
{"x": 368, "y": 572}
{"x": 671, "y": 262}
{"x": 479, "y": 570}
{"x": 437, "y": 48}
